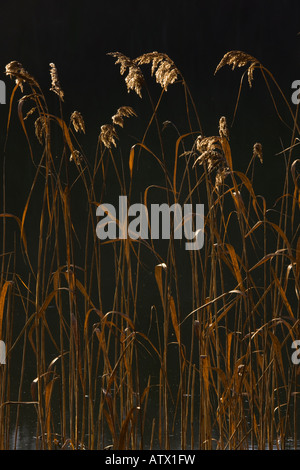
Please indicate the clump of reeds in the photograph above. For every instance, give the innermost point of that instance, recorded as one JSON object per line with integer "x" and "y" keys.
{"x": 210, "y": 367}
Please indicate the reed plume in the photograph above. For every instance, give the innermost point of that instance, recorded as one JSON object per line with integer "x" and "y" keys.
{"x": 257, "y": 151}
{"x": 40, "y": 128}
{"x": 30, "y": 112}
{"x": 212, "y": 153}
{"x": 16, "y": 70}
{"x": 108, "y": 135}
{"x": 232, "y": 384}
{"x": 239, "y": 59}
{"x": 135, "y": 79}
{"x": 163, "y": 67}
{"x": 76, "y": 157}
{"x": 223, "y": 129}
{"x": 55, "y": 85}
{"x": 212, "y": 156}
{"x": 77, "y": 121}
{"x": 124, "y": 111}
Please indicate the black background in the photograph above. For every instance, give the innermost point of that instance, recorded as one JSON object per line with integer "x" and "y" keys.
{"x": 77, "y": 36}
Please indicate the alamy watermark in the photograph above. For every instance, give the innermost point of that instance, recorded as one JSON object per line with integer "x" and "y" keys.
{"x": 135, "y": 222}
{"x": 2, "y": 92}
{"x": 296, "y": 354}
{"x": 2, "y": 352}
{"x": 296, "y": 94}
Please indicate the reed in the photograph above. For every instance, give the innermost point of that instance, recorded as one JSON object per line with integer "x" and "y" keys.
{"x": 138, "y": 344}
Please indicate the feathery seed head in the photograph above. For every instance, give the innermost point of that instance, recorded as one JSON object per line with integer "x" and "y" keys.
{"x": 223, "y": 129}
{"x": 135, "y": 79}
{"x": 77, "y": 121}
{"x": 124, "y": 111}
{"x": 40, "y": 128}
{"x": 16, "y": 70}
{"x": 220, "y": 176}
{"x": 239, "y": 59}
{"x": 55, "y": 85}
{"x": 257, "y": 151}
{"x": 163, "y": 67}
{"x": 25, "y": 98}
{"x": 76, "y": 157}
{"x": 30, "y": 112}
{"x": 108, "y": 135}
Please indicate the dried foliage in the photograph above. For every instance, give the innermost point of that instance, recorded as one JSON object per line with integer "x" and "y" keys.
{"x": 15, "y": 70}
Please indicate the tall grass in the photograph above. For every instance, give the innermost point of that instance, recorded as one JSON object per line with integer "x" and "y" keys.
{"x": 135, "y": 344}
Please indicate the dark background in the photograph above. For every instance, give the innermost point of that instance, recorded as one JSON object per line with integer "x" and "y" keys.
{"x": 77, "y": 36}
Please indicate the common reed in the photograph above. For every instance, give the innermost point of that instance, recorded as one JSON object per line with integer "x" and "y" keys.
{"x": 132, "y": 343}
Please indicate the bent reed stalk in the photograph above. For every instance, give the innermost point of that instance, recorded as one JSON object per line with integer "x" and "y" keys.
{"x": 138, "y": 344}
